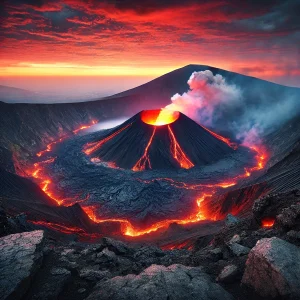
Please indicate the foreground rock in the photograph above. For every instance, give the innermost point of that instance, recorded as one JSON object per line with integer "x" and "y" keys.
{"x": 21, "y": 255}
{"x": 53, "y": 285}
{"x": 290, "y": 217}
{"x": 238, "y": 250}
{"x": 273, "y": 269}
{"x": 175, "y": 282}
{"x": 273, "y": 205}
{"x": 228, "y": 274}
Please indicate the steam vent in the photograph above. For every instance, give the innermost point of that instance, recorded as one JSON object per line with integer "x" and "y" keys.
{"x": 158, "y": 139}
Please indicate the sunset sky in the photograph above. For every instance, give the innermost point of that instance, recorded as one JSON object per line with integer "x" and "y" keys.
{"x": 44, "y": 42}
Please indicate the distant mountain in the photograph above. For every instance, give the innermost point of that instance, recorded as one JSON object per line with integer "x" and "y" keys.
{"x": 12, "y": 94}
{"x": 165, "y": 86}
{"x": 16, "y": 95}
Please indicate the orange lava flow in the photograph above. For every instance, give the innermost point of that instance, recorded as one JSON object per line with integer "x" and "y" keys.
{"x": 84, "y": 127}
{"x": 159, "y": 117}
{"x": 128, "y": 229}
{"x": 144, "y": 160}
{"x": 43, "y": 179}
{"x": 92, "y": 147}
{"x": 187, "y": 186}
{"x": 49, "y": 147}
{"x": 223, "y": 139}
{"x": 66, "y": 229}
{"x": 178, "y": 153}
{"x": 200, "y": 211}
{"x": 268, "y": 222}
{"x": 181, "y": 245}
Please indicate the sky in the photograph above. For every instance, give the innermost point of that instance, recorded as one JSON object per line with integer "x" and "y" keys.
{"x": 111, "y": 45}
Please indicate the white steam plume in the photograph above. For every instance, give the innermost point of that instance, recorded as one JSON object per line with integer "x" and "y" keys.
{"x": 214, "y": 102}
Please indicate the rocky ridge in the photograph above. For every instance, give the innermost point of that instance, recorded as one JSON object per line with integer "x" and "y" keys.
{"x": 231, "y": 264}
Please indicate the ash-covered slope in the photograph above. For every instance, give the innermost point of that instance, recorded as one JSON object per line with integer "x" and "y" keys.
{"x": 18, "y": 194}
{"x": 138, "y": 146}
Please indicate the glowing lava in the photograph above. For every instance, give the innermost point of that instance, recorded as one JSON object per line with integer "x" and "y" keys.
{"x": 268, "y": 222}
{"x": 223, "y": 139}
{"x": 201, "y": 212}
{"x": 159, "y": 117}
{"x": 178, "y": 153}
{"x": 84, "y": 127}
{"x": 144, "y": 160}
{"x": 66, "y": 229}
{"x": 43, "y": 180}
{"x": 128, "y": 229}
{"x": 91, "y": 147}
{"x": 49, "y": 147}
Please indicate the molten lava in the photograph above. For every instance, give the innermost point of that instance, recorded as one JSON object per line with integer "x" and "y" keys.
{"x": 67, "y": 229}
{"x": 144, "y": 160}
{"x": 159, "y": 117}
{"x": 178, "y": 153}
{"x": 84, "y": 127}
{"x": 223, "y": 139}
{"x": 91, "y": 147}
{"x": 268, "y": 222}
{"x": 175, "y": 149}
{"x": 44, "y": 181}
{"x": 201, "y": 211}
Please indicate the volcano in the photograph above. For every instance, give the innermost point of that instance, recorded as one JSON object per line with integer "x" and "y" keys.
{"x": 158, "y": 139}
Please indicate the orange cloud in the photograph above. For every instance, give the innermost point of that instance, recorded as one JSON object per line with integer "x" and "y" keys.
{"x": 130, "y": 37}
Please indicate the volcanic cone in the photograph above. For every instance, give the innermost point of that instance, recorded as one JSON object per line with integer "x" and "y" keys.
{"x": 159, "y": 139}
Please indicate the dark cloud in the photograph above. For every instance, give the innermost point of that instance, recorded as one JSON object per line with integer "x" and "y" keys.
{"x": 283, "y": 17}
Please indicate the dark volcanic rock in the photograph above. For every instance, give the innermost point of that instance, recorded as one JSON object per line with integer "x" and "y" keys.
{"x": 20, "y": 258}
{"x": 231, "y": 220}
{"x": 53, "y": 285}
{"x": 273, "y": 269}
{"x": 116, "y": 246}
{"x": 273, "y": 204}
{"x": 290, "y": 217}
{"x": 238, "y": 249}
{"x": 228, "y": 274}
{"x": 92, "y": 274}
{"x": 158, "y": 282}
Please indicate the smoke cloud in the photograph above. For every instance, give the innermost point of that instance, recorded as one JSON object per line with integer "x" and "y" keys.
{"x": 246, "y": 113}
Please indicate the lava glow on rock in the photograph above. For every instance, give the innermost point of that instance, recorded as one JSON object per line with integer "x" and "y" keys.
{"x": 159, "y": 117}
{"x": 201, "y": 211}
{"x": 268, "y": 222}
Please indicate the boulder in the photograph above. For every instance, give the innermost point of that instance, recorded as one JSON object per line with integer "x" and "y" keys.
{"x": 228, "y": 274}
{"x": 273, "y": 269}
{"x": 290, "y": 217}
{"x": 92, "y": 274}
{"x": 106, "y": 256}
{"x": 216, "y": 254}
{"x": 238, "y": 250}
{"x": 272, "y": 205}
{"x": 52, "y": 285}
{"x": 21, "y": 256}
{"x": 235, "y": 239}
{"x": 117, "y": 247}
{"x": 231, "y": 220}
{"x": 175, "y": 282}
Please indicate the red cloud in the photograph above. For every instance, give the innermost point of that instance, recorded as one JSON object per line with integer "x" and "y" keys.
{"x": 98, "y": 33}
